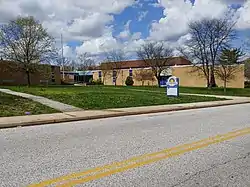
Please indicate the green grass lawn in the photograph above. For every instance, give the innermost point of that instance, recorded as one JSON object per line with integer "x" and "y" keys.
{"x": 104, "y": 97}
{"x": 16, "y": 106}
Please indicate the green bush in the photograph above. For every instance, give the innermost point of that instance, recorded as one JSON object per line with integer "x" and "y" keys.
{"x": 95, "y": 82}
{"x": 247, "y": 84}
{"x": 129, "y": 81}
{"x": 98, "y": 82}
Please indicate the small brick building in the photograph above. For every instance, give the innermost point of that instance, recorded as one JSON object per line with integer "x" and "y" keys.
{"x": 11, "y": 75}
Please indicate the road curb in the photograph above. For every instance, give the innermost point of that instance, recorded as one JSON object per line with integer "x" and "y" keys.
{"x": 116, "y": 114}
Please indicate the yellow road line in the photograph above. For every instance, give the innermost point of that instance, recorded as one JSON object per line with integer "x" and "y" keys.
{"x": 99, "y": 172}
{"x": 75, "y": 175}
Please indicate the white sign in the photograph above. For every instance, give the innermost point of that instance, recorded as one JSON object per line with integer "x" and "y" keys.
{"x": 173, "y": 86}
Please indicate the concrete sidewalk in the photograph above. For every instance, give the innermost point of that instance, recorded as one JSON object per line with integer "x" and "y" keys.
{"x": 6, "y": 122}
{"x": 45, "y": 101}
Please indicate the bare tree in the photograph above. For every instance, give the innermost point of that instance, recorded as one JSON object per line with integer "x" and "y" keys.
{"x": 114, "y": 59}
{"x": 106, "y": 70}
{"x": 157, "y": 56}
{"x": 73, "y": 64}
{"x": 207, "y": 39}
{"x": 85, "y": 63}
{"x": 228, "y": 65}
{"x": 26, "y": 42}
{"x": 144, "y": 75}
{"x": 65, "y": 63}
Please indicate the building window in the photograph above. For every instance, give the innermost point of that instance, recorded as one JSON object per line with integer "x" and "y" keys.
{"x": 100, "y": 74}
{"x": 53, "y": 77}
{"x": 130, "y": 72}
{"x": 52, "y": 68}
{"x": 114, "y": 76}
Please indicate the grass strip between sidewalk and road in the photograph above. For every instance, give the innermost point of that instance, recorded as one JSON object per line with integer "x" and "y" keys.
{"x": 11, "y": 105}
{"x": 106, "y": 97}
{"x": 240, "y": 92}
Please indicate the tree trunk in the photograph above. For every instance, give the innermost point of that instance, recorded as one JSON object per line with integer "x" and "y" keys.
{"x": 207, "y": 75}
{"x": 159, "y": 81}
{"x": 212, "y": 80}
{"x": 157, "y": 75}
{"x": 28, "y": 78}
{"x": 208, "y": 82}
{"x": 225, "y": 86}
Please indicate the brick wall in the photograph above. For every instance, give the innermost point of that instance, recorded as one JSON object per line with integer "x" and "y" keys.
{"x": 187, "y": 78}
{"x": 11, "y": 75}
{"x": 190, "y": 78}
{"x": 122, "y": 75}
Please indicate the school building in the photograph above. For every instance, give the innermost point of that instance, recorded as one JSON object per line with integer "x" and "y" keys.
{"x": 177, "y": 66}
{"x": 12, "y": 74}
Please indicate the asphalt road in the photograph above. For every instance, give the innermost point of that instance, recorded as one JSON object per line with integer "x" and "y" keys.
{"x": 41, "y": 155}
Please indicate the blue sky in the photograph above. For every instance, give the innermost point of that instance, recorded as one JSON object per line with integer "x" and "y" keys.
{"x": 132, "y": 13}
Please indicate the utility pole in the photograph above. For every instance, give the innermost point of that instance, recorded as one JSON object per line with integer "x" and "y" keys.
{"x": 62, "y": 56}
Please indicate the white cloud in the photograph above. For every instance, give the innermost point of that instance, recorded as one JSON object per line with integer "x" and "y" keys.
{"x": 83, "y": 21}
{"x": 68, "y": 51}
{"x": 155, "y": 4}
{"x": 98, "y": 45}
{"x": 108, "y": 42}
{"x": 76, "y": 19}
{"x": 90, "y": 27}
{"x": 136, "y": 36}
{"x": 244, "y": 16}
{"x": 142, "y": 15}
{"x": 234, "y": 1}
{"x": 125, "y": 34}
{"x": 178, "y": 13}
{"x": 132, "y": 46}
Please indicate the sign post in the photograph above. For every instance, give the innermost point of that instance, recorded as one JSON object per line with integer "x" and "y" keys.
{"x": 173, "y": 87}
